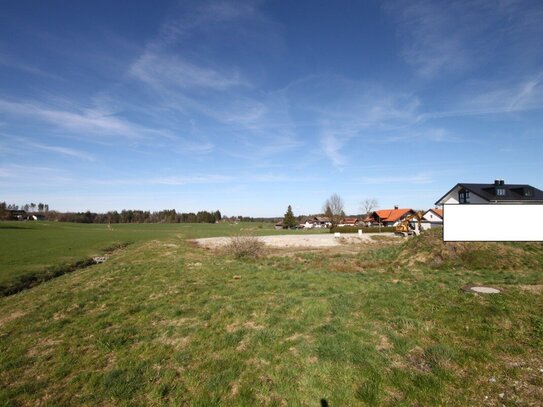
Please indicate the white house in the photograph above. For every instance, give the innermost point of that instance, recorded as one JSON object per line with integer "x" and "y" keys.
{"x": 496, "y": 193}
{"x": 316, "y": 222}
{"x": 432, "y": 218}
{"x": 487, "y": 212}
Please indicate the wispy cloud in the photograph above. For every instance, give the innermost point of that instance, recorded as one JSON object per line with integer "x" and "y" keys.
{"x": 494, "y": 98}
{"x": 99, "y": 126}
{"x": 416, "y": 179}
{"x": 171, "y": 71}
{"x": 87, "y": 121}
{"x": 170, "y": 180}
{"x": 331, "y": 146}
{"x": 24, "y": 142}
{"x": 452, "y": 37}
{"x": 11, "y": 62}
{"x": 32, "y": 175}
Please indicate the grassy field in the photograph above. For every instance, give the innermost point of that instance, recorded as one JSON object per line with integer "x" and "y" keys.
{"x": 166, "y": 323}
{"x": 33, "y": 248}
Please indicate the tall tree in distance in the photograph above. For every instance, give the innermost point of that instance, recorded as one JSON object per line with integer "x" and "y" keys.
{"x": 368, "y": 205}
{"x": 289, "y": 221}
{"x": 334, "y": 209}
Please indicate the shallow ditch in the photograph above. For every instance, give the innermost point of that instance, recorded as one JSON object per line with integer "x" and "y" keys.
{"x": 28, "y": 281}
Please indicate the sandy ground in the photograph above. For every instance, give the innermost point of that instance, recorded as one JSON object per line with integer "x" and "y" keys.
{"x": 324, "y": 240}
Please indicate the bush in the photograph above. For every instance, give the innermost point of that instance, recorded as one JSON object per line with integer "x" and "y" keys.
{"x": 355, "y": 229}
{"x": 245, "y": 247}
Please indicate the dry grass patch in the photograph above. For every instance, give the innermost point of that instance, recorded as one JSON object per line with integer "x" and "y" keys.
{"x": 243, "y": 247}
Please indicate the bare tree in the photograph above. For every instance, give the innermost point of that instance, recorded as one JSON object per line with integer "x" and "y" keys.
{"x": 333, "y": 208}
{"x": 368, "y": 205}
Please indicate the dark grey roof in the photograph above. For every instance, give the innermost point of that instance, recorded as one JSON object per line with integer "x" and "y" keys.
{"x": 513, "y": 192}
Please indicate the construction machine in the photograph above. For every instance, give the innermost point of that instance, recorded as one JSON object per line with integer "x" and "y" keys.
{"x": 406, "y": 229}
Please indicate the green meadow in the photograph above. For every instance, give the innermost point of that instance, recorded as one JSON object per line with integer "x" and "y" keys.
{"x": 30, "y": 249}
{"x": 165, "y": 322}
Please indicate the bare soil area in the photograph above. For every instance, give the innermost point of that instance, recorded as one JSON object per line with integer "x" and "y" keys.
{"x": 282, "y": 241}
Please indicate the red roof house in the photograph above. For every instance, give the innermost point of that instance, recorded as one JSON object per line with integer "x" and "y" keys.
{"x": 391, "y": 217}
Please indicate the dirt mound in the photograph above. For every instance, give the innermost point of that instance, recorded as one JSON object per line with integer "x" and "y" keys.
{"x": 430, "y": 249}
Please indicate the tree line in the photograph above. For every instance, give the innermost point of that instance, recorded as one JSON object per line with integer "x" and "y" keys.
{"x": 124, "y": 216}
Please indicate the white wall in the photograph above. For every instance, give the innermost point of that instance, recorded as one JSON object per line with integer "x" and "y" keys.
{"x": 498, "y": 222}
{"x": 432, "y": 217}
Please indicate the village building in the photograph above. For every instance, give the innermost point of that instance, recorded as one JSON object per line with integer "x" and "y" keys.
{"x": 388, "y": 217}
{"x": 496, "y": 193}
{"x": 350, "y": 222}
{"x": 316, "y": 222}
{"x": 432, "y": 218}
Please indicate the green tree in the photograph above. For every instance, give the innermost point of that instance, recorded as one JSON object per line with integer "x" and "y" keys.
{"x": 289, "y": 221}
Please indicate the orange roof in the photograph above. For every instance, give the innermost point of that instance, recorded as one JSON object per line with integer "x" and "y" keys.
{"x": 438, "y": 211}
{"x": 392, "y": 215}
{"x": 350, "y": 220}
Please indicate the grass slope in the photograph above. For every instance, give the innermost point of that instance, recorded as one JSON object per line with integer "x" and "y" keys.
{"x": 29, "y": 249}
{"x": 166, "y": 323}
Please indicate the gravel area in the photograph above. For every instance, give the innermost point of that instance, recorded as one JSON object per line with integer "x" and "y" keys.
{"x": 317, "y": 240}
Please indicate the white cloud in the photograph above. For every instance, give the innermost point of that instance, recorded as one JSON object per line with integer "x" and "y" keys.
{"x": 415, "y": 179}
{"x": 451, "y": 37}
{"x": 23, "y": 142}
{"x": 331, "y": 146}
{"x": 166, "y": 70}
{"x": 85, "y": 121}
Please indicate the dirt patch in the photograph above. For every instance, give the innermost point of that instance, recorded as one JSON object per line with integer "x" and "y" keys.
{"x": 535, "y": 288}
{"x": 286, "y": 241}
{"x": 248, "y": 325}
{"x": 383, "y": 344}
{"x": 177, "y": 342}
{"x": 11, "y": 317}
{"x": 44, "y": 347}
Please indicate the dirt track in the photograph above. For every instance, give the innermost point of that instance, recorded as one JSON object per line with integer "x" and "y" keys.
{"x": 318, "y": 240}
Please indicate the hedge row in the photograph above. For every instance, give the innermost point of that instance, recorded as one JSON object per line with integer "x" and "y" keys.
{"x": 355, "y": 229}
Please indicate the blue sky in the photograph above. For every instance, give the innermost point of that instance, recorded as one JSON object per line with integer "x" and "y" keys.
{"x": 248, "y": 107}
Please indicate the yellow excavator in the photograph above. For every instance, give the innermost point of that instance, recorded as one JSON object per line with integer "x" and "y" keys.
{"x": 406, "y": 229}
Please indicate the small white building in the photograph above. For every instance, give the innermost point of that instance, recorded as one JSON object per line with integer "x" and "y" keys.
{"x": 432, "y": 218}
{"x": 316, "y": 222}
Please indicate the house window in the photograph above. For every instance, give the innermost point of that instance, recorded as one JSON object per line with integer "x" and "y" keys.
{"x": 528, "y": 192}
{"x": 463, "y": 196}
{"x": 500, "y": 191}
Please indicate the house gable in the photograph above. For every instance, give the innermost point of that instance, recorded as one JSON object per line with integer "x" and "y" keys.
{"x": 497, "y": 192}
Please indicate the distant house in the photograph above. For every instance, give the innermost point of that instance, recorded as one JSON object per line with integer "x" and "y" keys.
{"x": 349, "y": 222}
{"x": 316, "y": 222}
{"x": 33, "y": 216}
{"x": 496, "y": 193}
{"x": 432, "y": 218}
{"x": 368, "y": 221}
{"x": 389, "y": 217}
{"x": 16, "y": 214}
{"x": 279, "y": 225}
